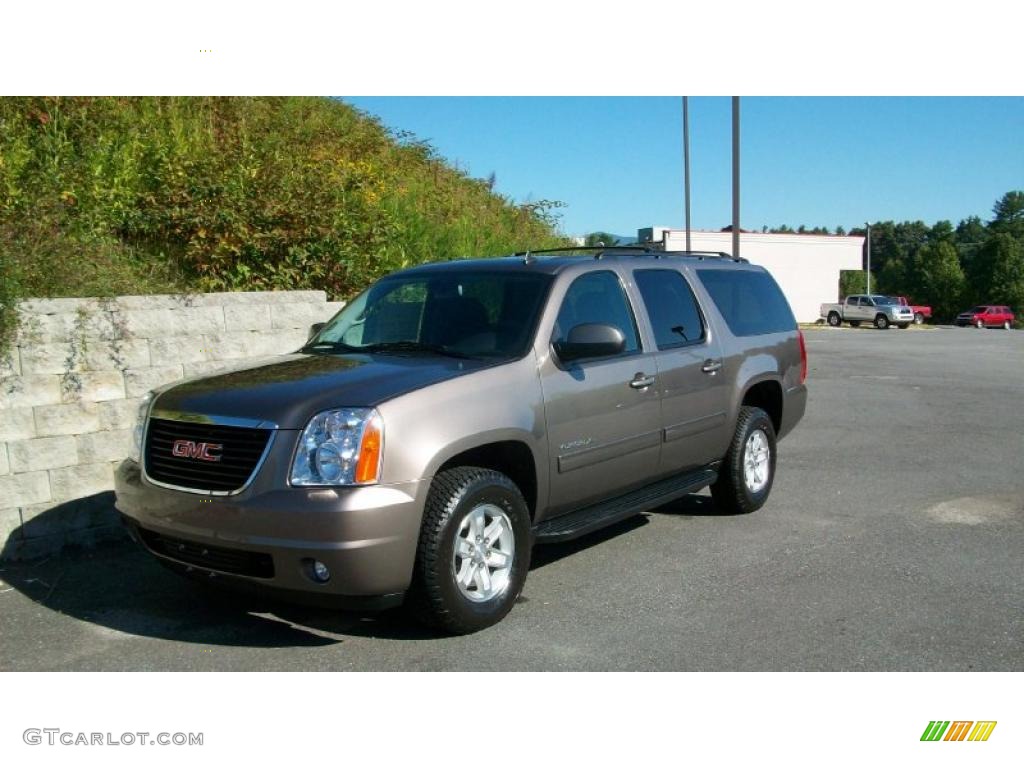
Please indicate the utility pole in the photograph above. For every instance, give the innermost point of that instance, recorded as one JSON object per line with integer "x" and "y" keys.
{"x": 868, "y": 280}
{"x": 686, "y": 165}
{"x": 736, "y": 176}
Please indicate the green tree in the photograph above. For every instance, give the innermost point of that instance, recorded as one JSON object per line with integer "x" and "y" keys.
{"x": 971, "y": 231}
{"x": 855, "y": 281}
{"x": 1009, "y": 214}
{"x": 997, "y": 272}
{"x": 600, "y": 238}
{"x": 940, "y": 278}
{"x": 942, "y": 230}
{"x": 892, "y": 279}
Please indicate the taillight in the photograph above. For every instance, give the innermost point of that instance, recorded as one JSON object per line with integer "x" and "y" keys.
{"x": 803, "y": 356}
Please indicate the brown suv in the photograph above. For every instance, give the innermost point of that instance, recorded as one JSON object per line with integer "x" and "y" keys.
{"x": 454, "y": 414}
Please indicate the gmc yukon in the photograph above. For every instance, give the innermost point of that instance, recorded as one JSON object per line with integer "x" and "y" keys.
{"x": 456, "y": 414}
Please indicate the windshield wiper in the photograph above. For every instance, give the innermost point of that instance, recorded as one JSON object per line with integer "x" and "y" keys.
{"x": 414, "y": 346}
{"x": 332, "y": 346}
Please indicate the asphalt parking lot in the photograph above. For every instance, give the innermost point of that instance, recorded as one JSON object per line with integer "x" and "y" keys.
{"x": 893, "y": 540}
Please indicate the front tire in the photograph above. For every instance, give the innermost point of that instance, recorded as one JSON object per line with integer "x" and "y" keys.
{"x": 748, "y": 471}
{"x": 473, "y": 553}
{"x": 979, "y": 324}
{"x": 881, "y": 322}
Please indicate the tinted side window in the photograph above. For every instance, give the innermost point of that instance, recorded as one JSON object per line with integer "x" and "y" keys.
{"x": 750, "y": 301}
{"x": 597, "y": 297}
{"x": 671, "y": 306}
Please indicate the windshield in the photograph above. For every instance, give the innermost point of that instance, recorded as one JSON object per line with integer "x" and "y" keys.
{"x": 978, "y": 310}
{"x": 457, "y": 313}
{"x": 881, "y": 300}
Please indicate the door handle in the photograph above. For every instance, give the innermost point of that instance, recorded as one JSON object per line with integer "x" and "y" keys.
{"x": 711, "y": 366}
{"x": 641, "y": 381}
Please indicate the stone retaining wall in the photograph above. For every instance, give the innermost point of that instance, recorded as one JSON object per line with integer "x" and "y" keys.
{"x": 71, "y": 388}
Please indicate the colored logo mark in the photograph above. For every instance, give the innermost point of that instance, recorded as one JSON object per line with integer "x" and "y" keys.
{"x": 958, "y": 730}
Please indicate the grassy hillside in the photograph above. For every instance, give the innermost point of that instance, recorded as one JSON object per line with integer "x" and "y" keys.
{"x": 134, "y": 195}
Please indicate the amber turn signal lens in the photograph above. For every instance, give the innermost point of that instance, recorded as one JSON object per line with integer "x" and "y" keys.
{"x": 368, "y": 466}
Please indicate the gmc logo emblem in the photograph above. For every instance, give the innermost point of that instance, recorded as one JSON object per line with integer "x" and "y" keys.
{"x": 188, "y": 449}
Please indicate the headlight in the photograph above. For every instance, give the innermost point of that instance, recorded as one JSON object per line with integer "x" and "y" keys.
{"x": 340, "y": 447}
{"x": 140, "y": 426}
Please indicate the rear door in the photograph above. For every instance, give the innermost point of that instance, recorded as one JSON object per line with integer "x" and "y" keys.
{"x": 603, "y": 414}
{"x": 694, "y": 398}
{"x": 852, "y": 310}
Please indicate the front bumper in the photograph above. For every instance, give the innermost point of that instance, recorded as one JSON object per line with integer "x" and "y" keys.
{"x": 366, "y": 536}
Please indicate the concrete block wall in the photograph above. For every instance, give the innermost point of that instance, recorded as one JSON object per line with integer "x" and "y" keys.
{"x": 71, "y": 387}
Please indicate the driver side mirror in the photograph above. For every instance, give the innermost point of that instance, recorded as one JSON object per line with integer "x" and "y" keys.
{"x": 590, "y": 340}
{"x": 314, "y": 329}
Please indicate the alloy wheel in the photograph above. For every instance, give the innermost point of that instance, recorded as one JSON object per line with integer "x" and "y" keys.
{"x": 756, "y": 461}
{"x": 484, "y": 551}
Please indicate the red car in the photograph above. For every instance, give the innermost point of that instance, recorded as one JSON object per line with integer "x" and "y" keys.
{"x": 921, "y": 312}
{"x": 987, "y": 316}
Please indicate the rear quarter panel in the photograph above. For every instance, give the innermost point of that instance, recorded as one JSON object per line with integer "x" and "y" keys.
{"x": 750, "y": 360}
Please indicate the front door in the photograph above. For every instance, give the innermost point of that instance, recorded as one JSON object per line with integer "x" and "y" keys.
{"x": 603, "y": 415}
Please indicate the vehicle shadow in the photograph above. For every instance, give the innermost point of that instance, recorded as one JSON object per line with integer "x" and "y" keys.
{"x": 118, "y": 586}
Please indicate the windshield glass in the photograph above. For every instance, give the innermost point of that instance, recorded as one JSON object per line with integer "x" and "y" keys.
{"x": 978, "y": 310}
{"x": 457, "y": 313}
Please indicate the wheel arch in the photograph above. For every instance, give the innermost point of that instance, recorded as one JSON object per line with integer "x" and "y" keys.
{"x": 766, "y": 394}
{"x": 509, "y": 454}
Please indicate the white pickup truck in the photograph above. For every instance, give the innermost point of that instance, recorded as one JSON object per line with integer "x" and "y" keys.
{"x": 881, "y": 311}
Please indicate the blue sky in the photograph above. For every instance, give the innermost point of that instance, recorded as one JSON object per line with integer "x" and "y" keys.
{"x": 617, "y": 161}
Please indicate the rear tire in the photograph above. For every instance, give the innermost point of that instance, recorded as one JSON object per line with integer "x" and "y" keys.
{"x": 748, "y": 470}
{"x": 466, "y": 507}
{"x": 1006, "y": 325}
{"x": 834, "y": 320}
{"x": 918, "y": 318}
{"x": 881, "y": 322}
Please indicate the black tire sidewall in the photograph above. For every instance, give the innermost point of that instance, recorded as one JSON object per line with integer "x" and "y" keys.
{"x": 730, "y": 491}
{"x": 881, "y": 322}
{"x": 447, "y": 606}
{"x": 834, "y": 320}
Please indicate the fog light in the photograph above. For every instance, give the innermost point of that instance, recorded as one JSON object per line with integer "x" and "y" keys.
{"x": 321, "y": 572}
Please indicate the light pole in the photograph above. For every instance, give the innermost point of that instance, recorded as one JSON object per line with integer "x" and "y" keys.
{"x": 736, "y": 177}
{"x": 686, "y": 165}
{"x": 868, "y": 279}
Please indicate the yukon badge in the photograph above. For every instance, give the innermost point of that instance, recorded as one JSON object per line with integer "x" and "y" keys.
{"x": 188, "y": 449}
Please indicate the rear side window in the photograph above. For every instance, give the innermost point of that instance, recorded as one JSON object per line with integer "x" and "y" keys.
{"x": 750, "y": 301}
{"x": 671, "y": 307}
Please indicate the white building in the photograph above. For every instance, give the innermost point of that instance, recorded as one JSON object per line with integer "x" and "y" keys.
{"x": 806, "y": 267}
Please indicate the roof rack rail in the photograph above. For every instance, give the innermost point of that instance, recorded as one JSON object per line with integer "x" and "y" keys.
{"x": 716, "y": 254}
{"x": 639, "y": 249}
{"x": 597, "y": 250}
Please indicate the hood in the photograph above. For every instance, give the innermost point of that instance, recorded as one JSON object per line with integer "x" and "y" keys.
{"x": 288, "y": 390}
